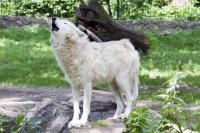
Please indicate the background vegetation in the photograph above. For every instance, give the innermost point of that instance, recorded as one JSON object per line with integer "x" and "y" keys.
{"x": 128, "y": 9}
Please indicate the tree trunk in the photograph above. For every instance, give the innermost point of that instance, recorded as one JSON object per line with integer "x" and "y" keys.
{"x": 94, "y": 18}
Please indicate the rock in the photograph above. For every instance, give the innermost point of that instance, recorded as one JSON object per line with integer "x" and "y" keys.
{"x": 36, "y": 98}
{"x": 19, "y": 23}
{"x": 161, "y": 26}
{"x": 153, "y": 114}
{"x": 55, "y": 115}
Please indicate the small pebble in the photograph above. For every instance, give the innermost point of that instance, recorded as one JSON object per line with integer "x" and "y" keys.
{"x": 90, "y": 126}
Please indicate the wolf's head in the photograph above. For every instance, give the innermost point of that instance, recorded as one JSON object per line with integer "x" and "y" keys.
{"x": 60, "y": 28}
{"x": 65, "y": 30}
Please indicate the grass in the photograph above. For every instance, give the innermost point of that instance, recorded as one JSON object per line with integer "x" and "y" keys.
{"x": 1, "y": 25}
{"x": 188, "y": 97}
{"x": 27, "y": 59}
{"x": 100, "y": 123}
{"x": 175, "y": 52}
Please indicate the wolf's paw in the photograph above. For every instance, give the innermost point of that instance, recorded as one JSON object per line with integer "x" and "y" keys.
{"x": 73, "y": 123}
{"x": 81, "y": 122}
{"x": 122, "y": 116}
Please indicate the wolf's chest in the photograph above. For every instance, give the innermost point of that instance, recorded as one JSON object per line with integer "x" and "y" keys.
{"x": 67, "y": 65}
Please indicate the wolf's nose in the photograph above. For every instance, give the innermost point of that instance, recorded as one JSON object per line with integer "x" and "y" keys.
{"x": 53, "y": 19}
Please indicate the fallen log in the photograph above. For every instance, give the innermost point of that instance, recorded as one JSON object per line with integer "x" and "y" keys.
{"x": 95, "y": 19}
{"x": 89, "y": 33}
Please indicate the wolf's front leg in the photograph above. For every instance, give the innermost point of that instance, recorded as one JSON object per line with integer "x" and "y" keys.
{"x": 76, "y": 94}
{"x": 86, "y": 104}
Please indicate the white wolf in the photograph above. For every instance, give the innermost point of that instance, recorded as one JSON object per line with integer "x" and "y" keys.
{"x": 86, "y": 63}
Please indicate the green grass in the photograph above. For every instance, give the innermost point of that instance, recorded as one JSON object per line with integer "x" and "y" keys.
{"x": 27, "y": 59}
{"x": 1, "y": 25}
{"x": 172, "y": 53}
{"x": 100, "y": 123}
{"x": 188, "y": 97}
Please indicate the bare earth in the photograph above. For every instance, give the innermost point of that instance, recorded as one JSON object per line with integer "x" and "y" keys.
{"x": 12, "y": 99}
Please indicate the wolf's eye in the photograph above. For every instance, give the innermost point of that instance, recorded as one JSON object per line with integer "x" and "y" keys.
{"x": 65, "y": 23}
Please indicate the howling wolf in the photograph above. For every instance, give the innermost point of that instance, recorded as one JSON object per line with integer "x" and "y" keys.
{"x": 87, "y": 63}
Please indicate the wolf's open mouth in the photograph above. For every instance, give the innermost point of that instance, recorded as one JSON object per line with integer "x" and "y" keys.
{"x": 54, "y": 27}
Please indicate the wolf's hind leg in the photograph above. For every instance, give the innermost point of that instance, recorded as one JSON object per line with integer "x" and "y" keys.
{"x": 124, "y": 84}
{"x": 124, "y": 105}
{"x": 119, "y": 100}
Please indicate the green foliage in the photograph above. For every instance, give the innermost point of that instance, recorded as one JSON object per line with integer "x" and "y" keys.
{"x": 159, "y": 3}
{"x": 152, "y": 41}
{"x": 155, "y": 9}
{"x": 3, "y": 119}
{"x": 169, "y": 12}
{"x": 171, "y": 111}
{"x": 128, "y": 9}
{"x": 139, "y": 120}
{"x": 100, "y": 123}
{"x": 170, "y": 93}
{"x": 24, "y": 123}
{"x": 59, "y": 8}
{"x": 136, "y": 122}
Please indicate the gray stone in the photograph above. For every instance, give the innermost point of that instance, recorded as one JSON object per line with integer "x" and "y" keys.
{"x": 19, "y": 23}
{"x": 55, "y": 115}
{"x": 154, "y": 114}
{"x": 143, "y": 25}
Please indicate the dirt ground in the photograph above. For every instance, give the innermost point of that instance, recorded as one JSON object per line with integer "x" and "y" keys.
{"x": 12, "y": 99}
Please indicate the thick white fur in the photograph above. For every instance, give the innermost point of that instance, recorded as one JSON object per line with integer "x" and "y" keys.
{"x": 86, "y": 63}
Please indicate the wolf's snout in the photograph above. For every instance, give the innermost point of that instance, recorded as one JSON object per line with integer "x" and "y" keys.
{"x": 54, "y": 26}
{"x": 53, "y": 19}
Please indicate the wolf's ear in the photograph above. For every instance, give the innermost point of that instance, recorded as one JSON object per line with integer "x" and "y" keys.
{"x": 80, "y": 33}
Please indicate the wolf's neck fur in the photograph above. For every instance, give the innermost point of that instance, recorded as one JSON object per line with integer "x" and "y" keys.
{"x": 70, "y": 54}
